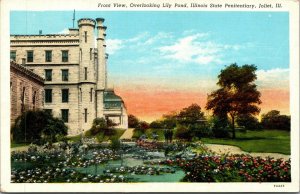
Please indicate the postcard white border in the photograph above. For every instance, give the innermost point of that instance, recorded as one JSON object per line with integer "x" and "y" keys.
{"x": 290, "y": 6}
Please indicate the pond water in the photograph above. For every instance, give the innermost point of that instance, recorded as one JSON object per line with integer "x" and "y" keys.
{"x": 173, "y": 175}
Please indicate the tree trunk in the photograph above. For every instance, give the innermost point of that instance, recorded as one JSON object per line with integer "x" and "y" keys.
{"x": 233, "y": 128}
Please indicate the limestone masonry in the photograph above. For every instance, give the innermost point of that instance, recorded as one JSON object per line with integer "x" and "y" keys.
{"x": 75, "y": 73}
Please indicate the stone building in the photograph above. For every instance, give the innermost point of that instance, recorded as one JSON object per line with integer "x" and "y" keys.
{"x": 26, "y": 91}
{"x": 75, "y": 72}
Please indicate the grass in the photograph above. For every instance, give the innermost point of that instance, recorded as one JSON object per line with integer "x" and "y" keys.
{"x": 101, "y": 136}
{"x": 14, "y": 144}
{"x": 265, "y": 141}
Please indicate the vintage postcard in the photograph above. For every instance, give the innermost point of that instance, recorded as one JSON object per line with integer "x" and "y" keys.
{"x": 149, "y": 96}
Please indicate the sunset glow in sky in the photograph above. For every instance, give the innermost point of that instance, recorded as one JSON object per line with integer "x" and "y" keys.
{"x": 165, "y": 61}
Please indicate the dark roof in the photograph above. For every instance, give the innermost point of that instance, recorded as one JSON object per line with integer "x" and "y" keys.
{"x": 110, "y": 96}
{"x": 26, "y": 71}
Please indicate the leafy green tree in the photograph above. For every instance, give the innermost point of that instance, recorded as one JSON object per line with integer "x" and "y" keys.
{"x": 190, "y": 115}
{"x": 156, "y": 125}
{"x": 237, "y": 94}
{"x": 248, "y": 121}
{"x": 184, "y": 133}
{"x": 273, "y": 120}
{"x": 36, "y": 126}
{"x": 169, "y": 120}
{"x": 133, "y": 121}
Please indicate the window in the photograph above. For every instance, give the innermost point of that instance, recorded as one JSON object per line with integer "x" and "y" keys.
{"x": 91, "y": 95}
{"x": 85, "y": 115}
{"x": 34, "y": 100}
{"x": 48, "y": 95}
{"x": 48, "y": 56}
{"x": 23, "y": 100}
{"x": 48, "y": 74}
{"x": 65, "y": 56}
{"x": 29, "y": 56}
{"x": 65, "y": 74}
{"x": 91, "y": 53}
{"x": 48, "y": 111}
{"x": 85, "y": 36}
{"x": 65, "y": 115}
{"x": 85, "y": 73}
{"x": 13, "y": 55}
{"x": 65, "y": 95}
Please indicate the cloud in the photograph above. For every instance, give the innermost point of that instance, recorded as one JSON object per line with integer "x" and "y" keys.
{"x": 196, "y": 49}
{"x": 113, "y": 45}
{"x": 64, "y": 31}
{"x": 273, "y": 78}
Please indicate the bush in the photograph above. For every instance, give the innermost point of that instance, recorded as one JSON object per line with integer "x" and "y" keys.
{"x": 200, "y": 130}
{"x": 219, "y": 127}
{"x": 183, "y": 133}
{"x": 38, "y": 127}
{"x": 249, "y": 122}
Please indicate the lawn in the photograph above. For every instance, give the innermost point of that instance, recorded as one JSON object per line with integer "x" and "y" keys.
{"x": 14, "y": 145}
{"x": 266, "y": 141}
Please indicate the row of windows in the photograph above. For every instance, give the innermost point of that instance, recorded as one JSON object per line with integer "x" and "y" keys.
{"x": 64, "y": 75}
{"x": 65, "y": 114}
{"x": 64, "y": 95}
{"x": 48, "y": 56}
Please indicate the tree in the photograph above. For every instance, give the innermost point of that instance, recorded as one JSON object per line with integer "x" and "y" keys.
{"x": 190, "y": 115}
{"x": 169, "y": 120}
{"x": 273, "y": 120}
{"x": 237, "y": 94}
{"x": 35, "y": 126}
{"x": 133, "y": 121}
{"x": 248, "y": 121}
{"x": 156, "y": 125}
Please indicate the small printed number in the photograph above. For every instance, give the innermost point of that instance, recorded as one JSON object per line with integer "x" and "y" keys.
{"x": 278, "y": 185}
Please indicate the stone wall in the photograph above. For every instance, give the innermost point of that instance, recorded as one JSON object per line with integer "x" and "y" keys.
{"x": 26, "y": 91}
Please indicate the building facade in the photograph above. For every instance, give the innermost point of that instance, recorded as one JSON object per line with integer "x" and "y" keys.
{"x": 26, "y": 91}
{"x": 74, "y": 67}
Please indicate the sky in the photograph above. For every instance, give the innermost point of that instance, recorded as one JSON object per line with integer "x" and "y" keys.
{"x": 161, "y": 62}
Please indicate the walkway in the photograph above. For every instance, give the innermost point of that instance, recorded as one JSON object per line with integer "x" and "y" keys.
{"x": 223, "y": 149}
{"x": 127, "y": 134}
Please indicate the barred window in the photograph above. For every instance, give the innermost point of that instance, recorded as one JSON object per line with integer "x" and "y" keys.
{"x": 65, "y": 56}
{"x": 48, "y": 74}
{"x": 48, "y": 56}
{"x": 65, "y": 115}
{"x": 48, "y": 95}
{"x": 65, "y": 95}
{"x": 65, "y": 74}
{"x": 29, "y": 56}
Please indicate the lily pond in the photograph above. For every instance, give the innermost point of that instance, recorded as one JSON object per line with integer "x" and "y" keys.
{"x": 140, "y": 162}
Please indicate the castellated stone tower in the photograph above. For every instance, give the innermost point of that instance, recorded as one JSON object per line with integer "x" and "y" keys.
{"x": 101, "y": 66}
{"x": 87, "y": 76}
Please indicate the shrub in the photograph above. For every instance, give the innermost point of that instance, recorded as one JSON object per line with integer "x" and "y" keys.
{"x": 38, "y": 127}
{"x": 219, "y": 127}
{"x": 183, "y": 133}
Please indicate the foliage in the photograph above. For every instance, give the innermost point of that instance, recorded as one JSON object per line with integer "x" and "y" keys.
{"x": 101, "y": 125}
{"x": 115, "y": 144}
{"x": 156, "y": 125}
{"x": 133, "y": 121}
{"x": 38, "y": 126}
{"x": 273, "y": 120}
{"x": 183, "y": 133}
{"x": 236, "y": 169}
{"x": 169, "y": 120}
{"x": 237, "y": 93}
{"x": 190, "y": 115}
{"x": 168, "y": 133}
{"x": 219, "y": 126}
{"x": 248, "y": 121}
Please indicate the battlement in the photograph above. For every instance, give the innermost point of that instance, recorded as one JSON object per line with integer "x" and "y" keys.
{"x": 86, "y": 22}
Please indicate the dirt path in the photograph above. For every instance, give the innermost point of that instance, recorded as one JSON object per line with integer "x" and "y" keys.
{"x": 223, "y": 149}
{"x": 127, "y": 134}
